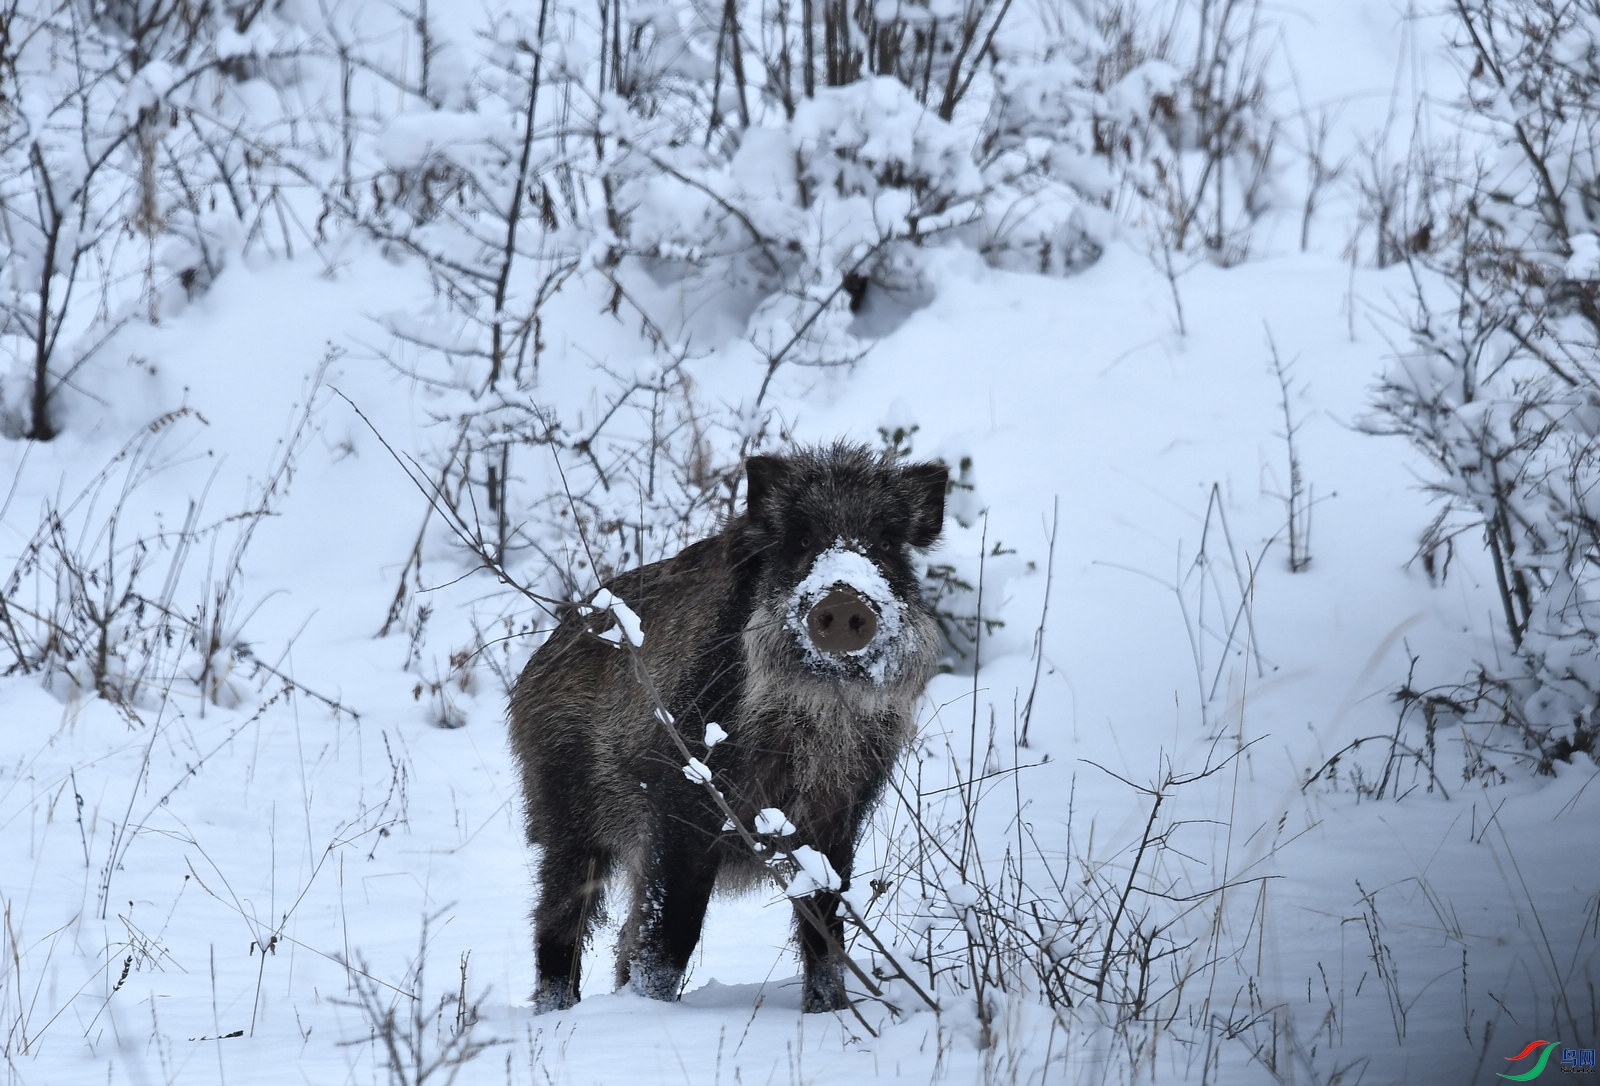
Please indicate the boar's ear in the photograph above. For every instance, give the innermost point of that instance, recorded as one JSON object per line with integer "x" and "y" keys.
{"x": 928, "y": 483}
{"x": 761, "y": 474}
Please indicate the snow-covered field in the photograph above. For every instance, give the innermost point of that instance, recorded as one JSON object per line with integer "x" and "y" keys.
{"x": 292, "y": 853}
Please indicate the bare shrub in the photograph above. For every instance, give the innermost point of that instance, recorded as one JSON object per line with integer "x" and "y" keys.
{"x": 419, "y": 1039}
{"x": 99, "y": 597}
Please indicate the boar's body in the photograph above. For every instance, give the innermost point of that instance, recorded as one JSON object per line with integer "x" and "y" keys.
{"x": 746, "y": 629}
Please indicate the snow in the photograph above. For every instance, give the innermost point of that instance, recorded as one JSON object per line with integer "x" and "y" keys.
{"x": 1584, "y": 263}
{"x": 229, "y": 865}
{"x": 774, "y": 821}
{"x": 813, "y": 872}
{"x": 413, "y": 138}
{"x": 628, "y": 624}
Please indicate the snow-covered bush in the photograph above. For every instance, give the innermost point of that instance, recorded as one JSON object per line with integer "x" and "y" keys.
{"x": 139, "y": 152}
{"x": 697, "y": 224}
{"x": 1502, "y": 388}
{"x": 1164, "y": 122}
{"x": 738, "y": 216}
{"x": 731, "y": 185}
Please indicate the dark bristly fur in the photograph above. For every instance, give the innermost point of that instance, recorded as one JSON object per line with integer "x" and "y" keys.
{"x": 603, "y": 784}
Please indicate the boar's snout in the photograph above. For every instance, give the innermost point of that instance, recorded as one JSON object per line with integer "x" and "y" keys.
{"x": 841, "y": 622}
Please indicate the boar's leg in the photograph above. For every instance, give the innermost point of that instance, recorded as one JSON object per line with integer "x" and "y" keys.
{"x": 671, "y": 907}
{"x": 571, "y": 880}
{"x": 822, "y": 948}
{"x": 575, "y": 862}
{"x": 833, "y": 832}
{"x": 821, "y": 951}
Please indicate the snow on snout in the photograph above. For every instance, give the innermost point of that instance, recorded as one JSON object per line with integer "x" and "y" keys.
{"x": 840, "y": 566}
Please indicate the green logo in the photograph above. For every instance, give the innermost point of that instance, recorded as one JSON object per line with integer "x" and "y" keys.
{"x": 1538, "y": 1068}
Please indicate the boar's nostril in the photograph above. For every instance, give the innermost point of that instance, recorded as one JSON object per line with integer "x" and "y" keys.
{"x": 842, "y": 622}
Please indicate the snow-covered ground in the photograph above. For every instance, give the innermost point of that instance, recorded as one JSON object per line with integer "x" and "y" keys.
{"x": 265, "y": 870}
